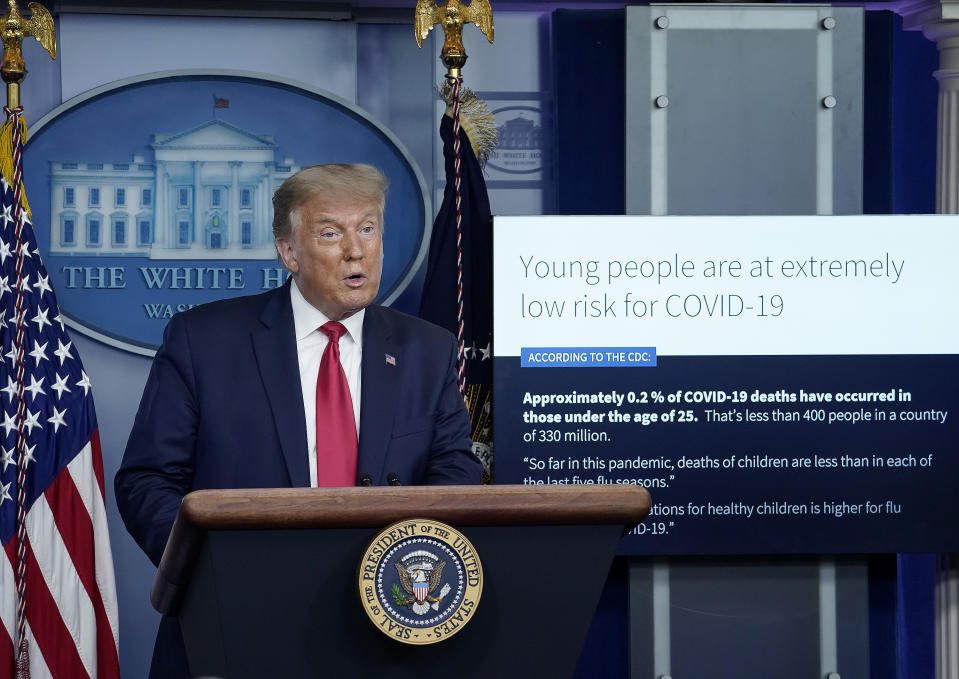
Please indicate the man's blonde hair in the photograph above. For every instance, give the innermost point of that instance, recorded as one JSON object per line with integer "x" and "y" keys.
{"x": 341, "y": 182}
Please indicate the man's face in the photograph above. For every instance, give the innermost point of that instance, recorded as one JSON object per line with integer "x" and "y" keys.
{"x": 335, "y": 254}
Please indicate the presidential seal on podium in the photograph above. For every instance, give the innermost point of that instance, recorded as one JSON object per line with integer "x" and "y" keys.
{"x": 420, "y": 581}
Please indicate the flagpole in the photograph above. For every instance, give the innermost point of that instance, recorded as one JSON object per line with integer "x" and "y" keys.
{"x": 464, "y": 216}
{"x": 452, "y": 16}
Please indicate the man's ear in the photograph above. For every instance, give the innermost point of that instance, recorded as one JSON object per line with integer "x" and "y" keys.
{"x": 284, "y": 247}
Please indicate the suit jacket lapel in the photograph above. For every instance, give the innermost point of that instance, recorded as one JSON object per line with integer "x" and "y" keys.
{"x": 275, "y": 348}
{"x": 380, "y": 386}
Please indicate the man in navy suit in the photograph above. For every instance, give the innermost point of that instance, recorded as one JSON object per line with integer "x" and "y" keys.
{"x": 231, "y": 400}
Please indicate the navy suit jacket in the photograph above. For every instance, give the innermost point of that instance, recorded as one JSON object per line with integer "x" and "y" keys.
{"x": 223, "y": 408}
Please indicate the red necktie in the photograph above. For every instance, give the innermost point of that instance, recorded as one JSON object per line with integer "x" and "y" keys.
{"x": 335, "y": 423}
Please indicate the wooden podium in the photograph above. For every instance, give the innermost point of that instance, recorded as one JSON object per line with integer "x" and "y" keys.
{"x": 264, "y": 582}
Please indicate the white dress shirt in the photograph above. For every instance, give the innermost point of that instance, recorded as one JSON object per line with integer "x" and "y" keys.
{"x": 310, "y": 344}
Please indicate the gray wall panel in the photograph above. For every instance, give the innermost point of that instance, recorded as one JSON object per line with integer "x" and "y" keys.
{"x": 848, "y": 50}
{"x": 741, "y": 128}
{"x": 746, "y": 619}
{"x": 638, "y": 110}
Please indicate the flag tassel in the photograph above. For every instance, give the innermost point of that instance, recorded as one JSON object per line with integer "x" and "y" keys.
{"x": 7, "y": 152}
{"x": 23, "y": 660}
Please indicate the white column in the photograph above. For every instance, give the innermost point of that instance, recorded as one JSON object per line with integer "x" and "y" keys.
{"x": 233, "y": 220}
{"x": 947, "y": 617}
{"x": 259, "y": 213}
{"x": 939, "y": 21}
{"x": 162, "y": 225}
{"x": 197, "y": 195}
{"x": 270, "y": 188}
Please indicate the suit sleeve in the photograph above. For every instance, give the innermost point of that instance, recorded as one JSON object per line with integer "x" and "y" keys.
{"x": 159, "y": 460}
{"x": 452, "y": 461}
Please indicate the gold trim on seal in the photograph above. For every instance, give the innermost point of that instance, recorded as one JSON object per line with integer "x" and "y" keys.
{"x": 428, "y": 555}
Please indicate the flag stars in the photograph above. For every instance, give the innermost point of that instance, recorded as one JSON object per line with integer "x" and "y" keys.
{"x": 59, "y": 319}
{"x": 25, "y": 250}
{"x": 35, "y": 387}
{"x": 42, "y": 284}
{"x": 7, "y": 215}
{"x": 85, "y": 383}
{"x": 39, "y": 352}
{"x": 60, "y": 385}
{"x": 6, "y": 459}
{"x": 24, "y": 283}
{"x": 485, "y": 351}
{"x": 12, "y": 354}
{"x": 32, "y": 420}
{"x": 57, "y": 420}
{"x": 27, "y": 456}
{"x": 9, "y": 424}
{"x": 63, "y": 351}
{"x": 41, "y": 319}
{"x": 10, "y": 390}
{"x": 5, "y": 493}
{"x": 4, "y": 286}
{"x": 4, "y": 251}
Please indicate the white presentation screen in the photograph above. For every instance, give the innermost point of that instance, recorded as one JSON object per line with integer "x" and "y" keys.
{"x": 779, "y": 384}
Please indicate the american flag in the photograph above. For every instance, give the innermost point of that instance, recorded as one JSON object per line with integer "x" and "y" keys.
{"x": 50, "y": 441}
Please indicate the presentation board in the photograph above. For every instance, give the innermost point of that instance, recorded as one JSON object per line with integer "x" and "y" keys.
{"x": 778, "y": 384}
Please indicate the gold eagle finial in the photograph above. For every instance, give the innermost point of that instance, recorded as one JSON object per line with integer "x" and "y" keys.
{"x": 452, "y": 16}
{"x": 14, "y": 28}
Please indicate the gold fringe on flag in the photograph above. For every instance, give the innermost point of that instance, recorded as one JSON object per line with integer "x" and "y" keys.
{"x": 476, "y": 119}
{"x": 6, "y": 156}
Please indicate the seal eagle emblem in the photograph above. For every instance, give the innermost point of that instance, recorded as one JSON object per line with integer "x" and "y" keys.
{"x": 420, "y": 573}
{"x": 420, "y": 581}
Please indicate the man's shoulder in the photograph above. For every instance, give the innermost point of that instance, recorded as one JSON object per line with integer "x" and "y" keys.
{"x": 243, "y": 310}
{"x": 403, "y": 326}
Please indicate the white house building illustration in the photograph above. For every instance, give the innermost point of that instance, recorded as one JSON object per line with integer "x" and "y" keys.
{"x": 206, "y": 195}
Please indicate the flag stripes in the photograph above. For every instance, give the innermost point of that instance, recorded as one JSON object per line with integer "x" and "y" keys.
{"x": 52, "y": 639}
{"x": 56, "y": 572}
{"x": 65, "y": 521}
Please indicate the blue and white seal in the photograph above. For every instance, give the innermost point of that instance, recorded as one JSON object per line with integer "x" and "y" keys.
{"x": 420, "y": 581}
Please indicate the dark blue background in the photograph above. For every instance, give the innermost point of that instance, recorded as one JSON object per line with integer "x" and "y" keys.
{"x": 925, "y": 523}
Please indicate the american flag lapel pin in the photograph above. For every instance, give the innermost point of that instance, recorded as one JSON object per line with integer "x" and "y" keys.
{"x": 390, "y": 359}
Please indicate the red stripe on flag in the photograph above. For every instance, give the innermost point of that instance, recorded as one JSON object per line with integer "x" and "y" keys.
{"x": 52, "y": 636}
{"x": 97, "y": 461}
{"x": 6, "y": 653}
{"x": 76, "y": 531}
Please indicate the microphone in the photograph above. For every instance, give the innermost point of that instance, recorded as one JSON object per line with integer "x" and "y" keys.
{"x": 366, "y": 480}
{"x": 393, "y": 479}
